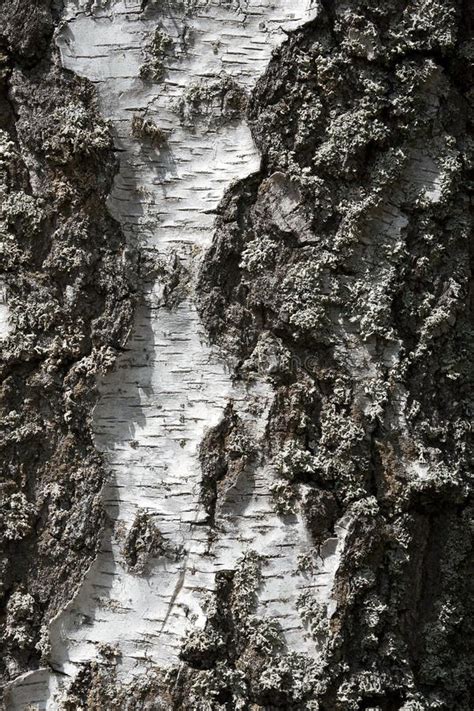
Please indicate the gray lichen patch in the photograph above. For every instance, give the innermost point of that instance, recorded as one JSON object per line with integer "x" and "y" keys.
{"x": 212, "y": 103}
{"x": 157, "y": 50}
{"x": 143, "y": 542}
{"x": 97, "y": 687}
{"x": 285, "y": 498}
{"x": 185, "y": 7}
{"x": 228, "y": 655}
{"x": 20, "y": 619}
{"x": 147, "y": 130}
{"x": 18, "y": 514}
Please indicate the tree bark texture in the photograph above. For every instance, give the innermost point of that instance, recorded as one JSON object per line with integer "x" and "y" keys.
{"x": 236, "y": 355}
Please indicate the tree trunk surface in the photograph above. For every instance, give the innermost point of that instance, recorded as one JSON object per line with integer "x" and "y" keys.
{"x": 236, "y": 353}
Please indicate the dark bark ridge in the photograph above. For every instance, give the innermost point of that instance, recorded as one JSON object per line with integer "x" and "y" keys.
{"x": 345, "y": 263}
{"x": 70, "y": 289}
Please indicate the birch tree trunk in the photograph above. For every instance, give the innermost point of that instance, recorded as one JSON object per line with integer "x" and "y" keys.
{"x": 234, "y": 321}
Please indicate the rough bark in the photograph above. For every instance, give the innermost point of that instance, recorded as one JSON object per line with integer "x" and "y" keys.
{"x": 289, "y": 505}
{"x": 69, "y": 290}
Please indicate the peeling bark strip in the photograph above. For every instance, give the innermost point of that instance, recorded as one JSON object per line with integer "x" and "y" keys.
{"x": 298, "y": 535}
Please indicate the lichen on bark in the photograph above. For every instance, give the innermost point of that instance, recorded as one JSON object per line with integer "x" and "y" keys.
{"x": 350, "y": 253}
{"x": 338, "y": 277}
{"x": 69, "y": 282}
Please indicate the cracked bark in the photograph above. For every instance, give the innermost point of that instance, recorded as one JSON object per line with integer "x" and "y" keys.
{"x": 287, "y": 516}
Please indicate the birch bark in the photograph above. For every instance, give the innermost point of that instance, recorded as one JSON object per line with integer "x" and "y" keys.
{"x": 287, "y": 500}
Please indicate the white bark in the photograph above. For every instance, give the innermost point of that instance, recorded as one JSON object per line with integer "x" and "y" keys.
{"x": 170, "y": 386}
{"x": 4, "y": 313}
